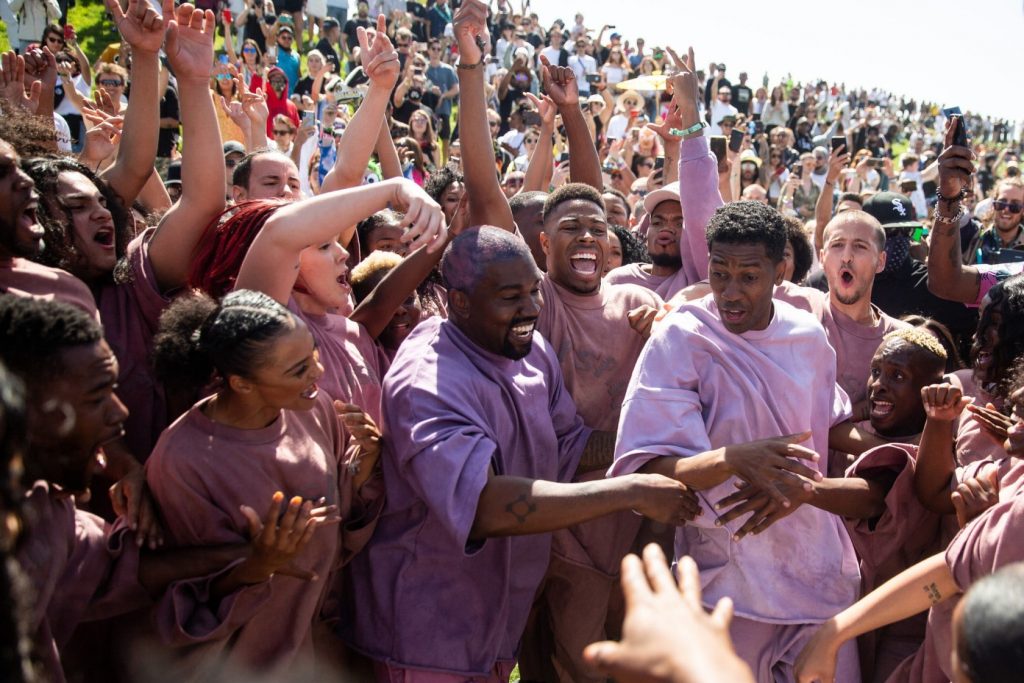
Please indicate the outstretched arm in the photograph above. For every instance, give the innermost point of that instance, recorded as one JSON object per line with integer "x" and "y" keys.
{"x": 190, "y": 53}
{"x": 936, "y": 464}
{"x": 487, "y": 205}
{"x": 837, "y": 161}
{"x": 143, "y": 29}
{"x": 538, "y": 171}
{"x": 915, "y": 590}
{"x": 272, "y": 263}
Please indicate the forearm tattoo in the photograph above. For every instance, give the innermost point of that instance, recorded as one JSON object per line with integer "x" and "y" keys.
{"x": 521, "y": 508}
{"x": 933, "y": 593}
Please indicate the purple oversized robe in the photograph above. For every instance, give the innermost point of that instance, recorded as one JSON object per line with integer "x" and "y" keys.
{"x": 81, "y": 569}
{"x": 698, "y": 386}
{"x": 200, "y": 473}
{"x": 425, "y": 596}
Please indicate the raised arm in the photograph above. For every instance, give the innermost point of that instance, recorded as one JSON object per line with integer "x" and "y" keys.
{"x": 190, "y": 53}
{"x": 539, "y": 169}
{"x": 387, "y": 154}
{"x": 314, "y": 221}
{"x": 837, "y": 161}
{"x": 488, "y": 204}
{"x": 936, "y": 461}
{"x": 143, "y": 29}
{"x": 948, "y": 277}
{"x": 671, "y": 141}
{"x": 380, "y": 62}
{"x": 584, "y": 163}
{"x": 699, "y": 195}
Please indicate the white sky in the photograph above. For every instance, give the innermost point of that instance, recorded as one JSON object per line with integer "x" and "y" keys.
{"x": 964, "y": 52}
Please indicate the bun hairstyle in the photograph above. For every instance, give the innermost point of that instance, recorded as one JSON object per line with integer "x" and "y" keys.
{"x": 200, "y": 339}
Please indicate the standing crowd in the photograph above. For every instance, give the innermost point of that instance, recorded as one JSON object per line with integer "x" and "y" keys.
{"x": 464, "y": 326}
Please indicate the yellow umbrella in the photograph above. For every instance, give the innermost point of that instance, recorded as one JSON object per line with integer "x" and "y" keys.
{"x": 649, "y": 82}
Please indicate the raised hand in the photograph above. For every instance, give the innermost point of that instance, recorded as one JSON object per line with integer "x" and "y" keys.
{"x": 673, "y": 119}
{"x": 696, "y": 648}
{"x": 379, "y": 57}
{"x": 141, "y": 26}
{"x": 665, "y": 500}
{"x": 560, "y": 84}
{"x": 40, "y": 65}
{"x": 102, "y": 104}
{"x": 838, "y": 159}
{"x": 772, "y": 466}
{"x": 994, "y": 422}
{"x": 975, "y": 495}
{"x": 234, "y": 111}
{"x": 423, "y": 217}
{"x": 101, "y": 142}
{"x": 275, "y": 544}
{"x": 546, "y": 107}
{"x": 956, "y": 166}
{"x": 190, "y": 41}
{"x": 943, "y": 402}
{"x": 684, "y": 85}
{"x": 12, "y": 83}
{"x": 470, "y": 25}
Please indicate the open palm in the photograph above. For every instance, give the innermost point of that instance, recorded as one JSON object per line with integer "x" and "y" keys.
{"x": 190, "y": 42}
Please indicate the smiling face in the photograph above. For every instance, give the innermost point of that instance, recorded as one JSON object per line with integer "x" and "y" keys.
{"x": 742, "y": 279}
{"x": 614, "y": 259}
{"x": 20, "y": 231}
{"x": 75, "y": 414}
{"x": 575, "y": 239}
{"x": 286, "y": 379}
{"x": 1007, "y": 219}
{"x": 851, "y": 257}
{"x": 898, "y": 373}
{"x": 92, "y": 225}
{"x": 986, "y": 340}
{"x": 500, "y": 312}
{"x": 323, "y": 275}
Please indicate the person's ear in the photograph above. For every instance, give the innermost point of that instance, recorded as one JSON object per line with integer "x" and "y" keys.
{"x": 458, "y": 303}
{"x": 780, "y": 272}
{"x": 881, "y": 262}
{"x": 239, "y": 384}
{"x": 545, "y": 242}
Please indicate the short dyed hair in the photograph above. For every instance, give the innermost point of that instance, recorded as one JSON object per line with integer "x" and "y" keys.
{"x": 470, "y": 253}
{"x": 923, "y": 342}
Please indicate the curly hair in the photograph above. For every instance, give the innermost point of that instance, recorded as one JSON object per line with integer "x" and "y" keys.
{"x": 59, "y": 248}
{"x": 440, "y": 180}
{"x": 29, "y": 135}
{"x": 749, "y": 223}
{"x": 633, "y": 250}
{"x": 803, "y": 255}
{"x": 1006, "y": 298}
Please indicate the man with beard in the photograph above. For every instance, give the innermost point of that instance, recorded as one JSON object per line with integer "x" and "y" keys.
{"x": 663, "y": 236}
{"x": 853, "y": 254}
{"x": 473, "y": 476}
{"x": 21, "y": 238}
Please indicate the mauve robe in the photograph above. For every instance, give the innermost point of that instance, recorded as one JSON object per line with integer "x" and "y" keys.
{"x": 903, "y": 535}
{"x": 596, "y": 349}
{"x": 698, "y": 386}
{"x": 130, "y": 309}
{"x": 425, "y": 596}
{"x": 200, "y": 472}
{"x": 21, "y": 277}
{"x": 354, "y": 364}
{"x": 80, "y": 568}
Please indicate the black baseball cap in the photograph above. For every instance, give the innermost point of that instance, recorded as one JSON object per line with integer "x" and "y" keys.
{"x": 892, "y": 210}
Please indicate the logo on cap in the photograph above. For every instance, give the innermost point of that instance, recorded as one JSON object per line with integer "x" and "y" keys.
{"x": 898, "y": 206}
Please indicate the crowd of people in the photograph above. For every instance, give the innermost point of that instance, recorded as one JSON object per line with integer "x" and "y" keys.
{"x": 406, "y": 347}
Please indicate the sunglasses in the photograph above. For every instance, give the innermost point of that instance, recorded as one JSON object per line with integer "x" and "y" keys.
{"x": 516, "y": 182}
{"x": 494, "y": 124}
{"x": 230, "y": 163}
{"x": 54, "y": 39}
{"x": 531, "y": 141}
{"x": 1012, "y": 207}
{"x": 648, "y": 164}
{"x": 223, "y": 77}
{"x": 249, "y": 50}
{"x": 276, "y": 82}
{"x": 282, "y": 132}
{"x": 111, "y": 83}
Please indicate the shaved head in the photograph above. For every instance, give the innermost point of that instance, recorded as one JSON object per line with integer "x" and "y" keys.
{"x": 847, "y": 217}
{"x": 468, "y": 256}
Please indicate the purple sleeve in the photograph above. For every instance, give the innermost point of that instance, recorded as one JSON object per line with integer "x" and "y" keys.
{"x": 699, "y": 198}
{"x": 100, "y": 579}
{"x": 151, "y": 301}
{"x": 443, "y": 456}
{"x": 661, "y": 415}
{"x": 841, "y": 408}
{"x": 989, "y": 542}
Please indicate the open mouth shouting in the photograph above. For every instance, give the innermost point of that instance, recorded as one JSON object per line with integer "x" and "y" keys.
{"x": 846, "y": 276}
{"x": 584, "y": 263}
{"x": 105, "y": 237}
{"x": 28, "y": 221}
{"x": 732, "y": 315}
{"x": 881, "y": 409}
